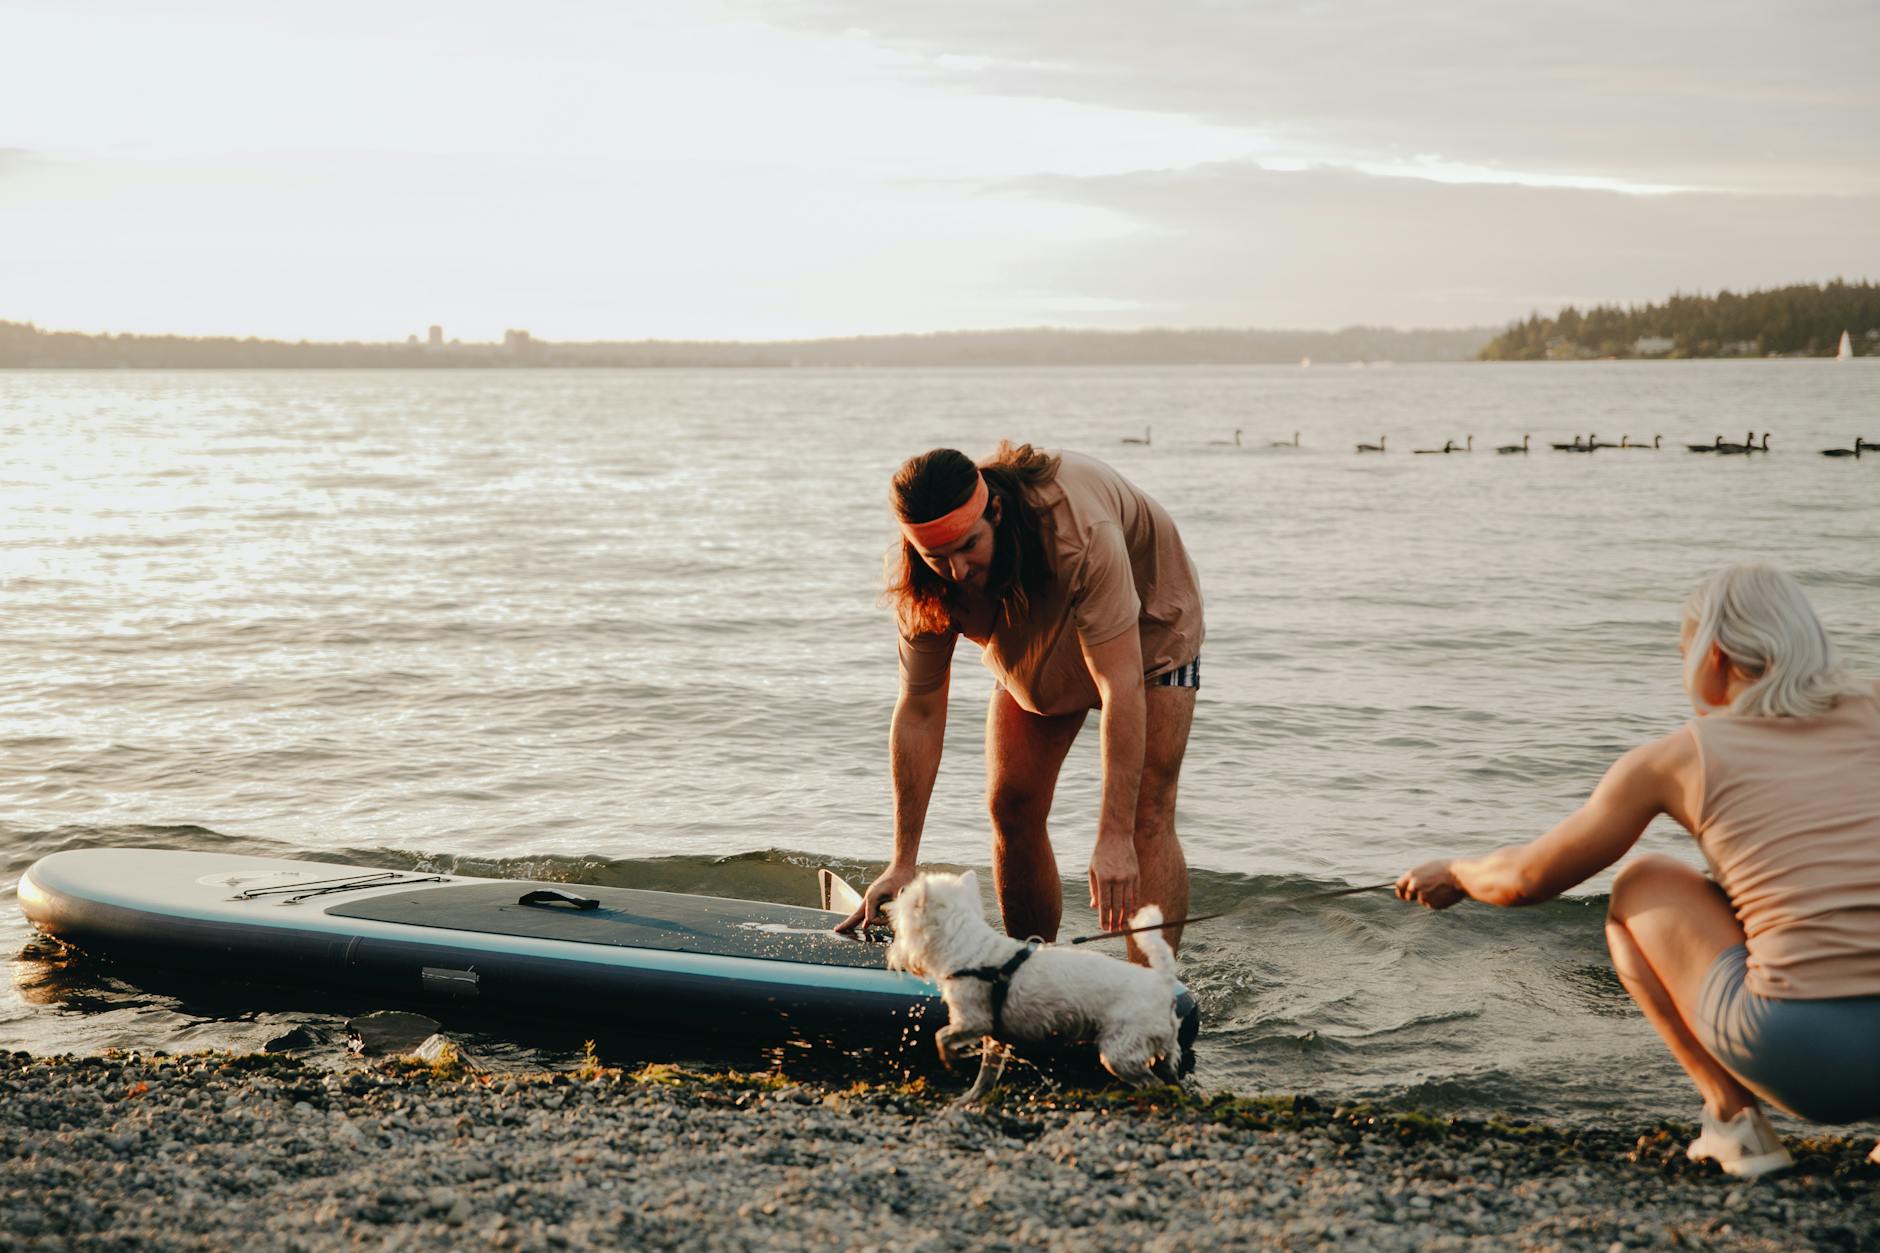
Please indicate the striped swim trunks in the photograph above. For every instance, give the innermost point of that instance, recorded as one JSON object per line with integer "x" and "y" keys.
{"x": 1181, "y": 676}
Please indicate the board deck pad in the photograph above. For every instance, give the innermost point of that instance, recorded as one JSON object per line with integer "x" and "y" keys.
{"x": 627, "y": 918}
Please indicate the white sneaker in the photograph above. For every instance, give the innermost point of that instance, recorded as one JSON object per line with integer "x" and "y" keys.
{"x": 1746, "y": 1146}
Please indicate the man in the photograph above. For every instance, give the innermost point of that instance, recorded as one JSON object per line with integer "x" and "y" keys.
{"x": 1078, "y": 591}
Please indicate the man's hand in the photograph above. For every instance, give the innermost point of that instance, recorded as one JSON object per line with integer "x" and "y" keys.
{"x": 1433, "y": 884}
{"x": 1114, "y": 880}
{"x": 885, "y": 888}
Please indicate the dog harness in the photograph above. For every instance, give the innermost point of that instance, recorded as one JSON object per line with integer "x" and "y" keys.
{"x": 1000, "y": 977}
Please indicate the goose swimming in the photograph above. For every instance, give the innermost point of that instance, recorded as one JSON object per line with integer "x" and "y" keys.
{"x": 1520, "y": 447}
{"x": 1131, "y": 439}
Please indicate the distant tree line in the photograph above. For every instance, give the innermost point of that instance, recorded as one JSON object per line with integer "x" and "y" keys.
{"x": 25, "y": 345}
{"x": 1805, "y": 320}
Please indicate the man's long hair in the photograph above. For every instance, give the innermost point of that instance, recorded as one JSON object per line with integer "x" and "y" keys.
{"x": 937, "y": 482}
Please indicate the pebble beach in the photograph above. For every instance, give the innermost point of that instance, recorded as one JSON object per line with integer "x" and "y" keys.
{"x": 274, "y": 1152}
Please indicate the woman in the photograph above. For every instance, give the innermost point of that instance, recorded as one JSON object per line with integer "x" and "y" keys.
{"x": 1764, "y": 979}
{"x": 1077, "y": 589}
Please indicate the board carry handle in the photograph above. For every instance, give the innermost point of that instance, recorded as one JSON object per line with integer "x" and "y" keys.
{"x": 555, "y": 896}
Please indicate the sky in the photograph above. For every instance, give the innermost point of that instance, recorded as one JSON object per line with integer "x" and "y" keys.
{"x": 772, "y": 169}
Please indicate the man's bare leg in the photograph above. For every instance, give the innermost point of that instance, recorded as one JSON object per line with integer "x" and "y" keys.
{"x": 1168, "y": 715}
{"x": 1024, "y": 752}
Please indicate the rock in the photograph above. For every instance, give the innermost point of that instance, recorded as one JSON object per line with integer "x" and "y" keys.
{"x": 388, "y": 1031}
{"x": 439, "y": 1049}
{"x": 294, "y": 1040}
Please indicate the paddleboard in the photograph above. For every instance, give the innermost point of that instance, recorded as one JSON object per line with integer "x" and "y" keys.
{"x": 584, "y": 951}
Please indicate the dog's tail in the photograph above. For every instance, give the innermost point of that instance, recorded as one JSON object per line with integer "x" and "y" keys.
{"x": 1153, "y": 945}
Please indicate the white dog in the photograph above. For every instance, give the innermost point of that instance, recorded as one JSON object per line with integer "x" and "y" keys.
{"x": 1005, "y": 989}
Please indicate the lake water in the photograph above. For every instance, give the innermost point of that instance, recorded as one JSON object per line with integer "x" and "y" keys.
{"x": 624, "y": 627}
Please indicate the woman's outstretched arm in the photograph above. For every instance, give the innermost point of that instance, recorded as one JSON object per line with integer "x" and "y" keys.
{"x": 1644, "y": 783}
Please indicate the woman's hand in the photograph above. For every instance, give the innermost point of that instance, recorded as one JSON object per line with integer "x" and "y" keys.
{"x": 886, "y": 887}
{"x": 1433, "y": 884}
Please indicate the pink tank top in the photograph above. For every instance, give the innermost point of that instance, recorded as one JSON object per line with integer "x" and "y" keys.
{"x": 1790, "y": 824}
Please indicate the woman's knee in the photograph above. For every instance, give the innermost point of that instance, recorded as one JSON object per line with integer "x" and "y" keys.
{"x": 1646, "y": 880}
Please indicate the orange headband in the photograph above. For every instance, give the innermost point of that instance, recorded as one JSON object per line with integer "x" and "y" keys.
{"x": 948, "y": 527}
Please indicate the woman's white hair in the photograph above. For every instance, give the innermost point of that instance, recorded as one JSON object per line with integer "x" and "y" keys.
{"x": 1761, "y": 619}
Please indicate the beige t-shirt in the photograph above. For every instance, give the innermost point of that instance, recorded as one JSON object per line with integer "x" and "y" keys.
{"x": 1117, "y": 562}
{"x": 1790, "y": 825}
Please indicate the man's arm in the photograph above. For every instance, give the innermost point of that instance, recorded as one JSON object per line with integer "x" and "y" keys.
{"x": 1116, "y": 667}
{"x": 1639, "y": 786}
{"x": 915, "y": 739}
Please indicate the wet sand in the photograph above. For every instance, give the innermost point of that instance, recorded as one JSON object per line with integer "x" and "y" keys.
{"x": 221, "y": 1151}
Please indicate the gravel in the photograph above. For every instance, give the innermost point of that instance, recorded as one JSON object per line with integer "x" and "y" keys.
{"x": 263, "y": 1152}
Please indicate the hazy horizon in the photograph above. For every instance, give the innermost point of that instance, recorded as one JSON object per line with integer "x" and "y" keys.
{"x": 786, "y": 170}
{"x": 1039, "y": 329}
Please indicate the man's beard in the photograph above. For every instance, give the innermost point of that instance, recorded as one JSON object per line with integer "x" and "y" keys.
{"x": 999, "y": 571}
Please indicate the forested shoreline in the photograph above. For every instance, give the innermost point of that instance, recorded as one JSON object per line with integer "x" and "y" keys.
{"x": 1804, "y": 320}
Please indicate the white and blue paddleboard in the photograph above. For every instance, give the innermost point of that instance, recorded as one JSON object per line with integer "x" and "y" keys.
{"x": 618, "y": 952}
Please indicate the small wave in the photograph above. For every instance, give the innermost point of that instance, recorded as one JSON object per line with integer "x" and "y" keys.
{"x": 24, "y": 845}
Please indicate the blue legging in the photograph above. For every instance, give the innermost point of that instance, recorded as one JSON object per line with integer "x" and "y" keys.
{"x": 1818, "y": 1059}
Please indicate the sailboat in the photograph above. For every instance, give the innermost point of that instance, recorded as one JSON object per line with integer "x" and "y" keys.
{"x": 1846, "y": 351}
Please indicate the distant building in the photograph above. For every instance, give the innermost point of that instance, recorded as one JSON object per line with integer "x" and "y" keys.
{"x": 411, "y": 341}
{"x": 437, "y": 337}
{"x": 1652, "y": 346}
{"x": 517, "y": 343}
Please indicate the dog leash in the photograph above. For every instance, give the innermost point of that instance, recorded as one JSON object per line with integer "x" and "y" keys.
{"x": 879, "y": 935}
{"x": 1182, "y": 922}
{"x": 1178, "y": 922}
{"x": 1326, "y": 896}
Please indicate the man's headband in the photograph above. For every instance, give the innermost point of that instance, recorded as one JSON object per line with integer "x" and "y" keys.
{"x": 949, "y": 527}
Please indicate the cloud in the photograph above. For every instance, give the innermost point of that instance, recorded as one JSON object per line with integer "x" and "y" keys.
{"x": 1235, "y": 244}
{"x": 18, "y": 160}
{"x": 1722, "y": 94}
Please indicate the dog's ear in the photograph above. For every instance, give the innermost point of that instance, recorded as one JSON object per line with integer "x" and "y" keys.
{"x": 969, "y": 890}
{"x": 909, "y": 900}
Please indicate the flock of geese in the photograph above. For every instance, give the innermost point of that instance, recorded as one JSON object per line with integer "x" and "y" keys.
{"x": 1592, "y": 443}
{"x": 1580, "y": 444}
